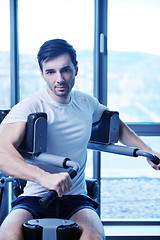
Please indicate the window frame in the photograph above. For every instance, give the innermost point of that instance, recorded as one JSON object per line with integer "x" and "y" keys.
{"x": 100, "y": 83}
{"x": 14, "y": 53}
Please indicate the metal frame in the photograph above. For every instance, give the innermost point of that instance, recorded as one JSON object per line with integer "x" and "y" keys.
{"x": 14, "y": 76}
{"x": 100, "y": 51}
{"x": 14, "y": 53}
{"x": 100, "y": 71}
{"x": 146, "y": 129}
{"x": 14, "y": 79}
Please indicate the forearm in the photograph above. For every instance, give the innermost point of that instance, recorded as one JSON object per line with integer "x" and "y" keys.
{"x": 13, "y": 164}
{"x": 129, "y": 138}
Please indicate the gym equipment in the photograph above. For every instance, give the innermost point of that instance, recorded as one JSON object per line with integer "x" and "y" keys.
{"x": 50, "y": 229}
{"x": 102, "y": 143}
{"x": 34, "y": 151}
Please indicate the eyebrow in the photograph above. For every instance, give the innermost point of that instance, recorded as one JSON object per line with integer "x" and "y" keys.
{"x": 61, "y": 69}
{"x": 49, "y": 70}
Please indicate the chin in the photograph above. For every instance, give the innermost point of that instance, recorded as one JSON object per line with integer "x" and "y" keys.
{"x": 61, "y": 94}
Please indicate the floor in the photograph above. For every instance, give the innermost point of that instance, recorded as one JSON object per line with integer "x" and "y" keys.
{"x": 132, "y": 232}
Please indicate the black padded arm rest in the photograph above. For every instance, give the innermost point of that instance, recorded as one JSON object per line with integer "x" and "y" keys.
{"x": 36, "y": 132}
{"x": 35, "y": 139}
{"x": 106, "y": 130}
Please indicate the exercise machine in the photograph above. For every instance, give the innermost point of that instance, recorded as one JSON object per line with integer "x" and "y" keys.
{"x": 33, "y": 150}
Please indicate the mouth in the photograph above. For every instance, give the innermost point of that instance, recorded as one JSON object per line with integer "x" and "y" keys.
{"x": 60, "y": 88}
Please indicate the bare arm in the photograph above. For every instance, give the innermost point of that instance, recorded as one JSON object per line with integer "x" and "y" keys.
{"x": 12, "y": 163}
{"x": 129, "y": 138}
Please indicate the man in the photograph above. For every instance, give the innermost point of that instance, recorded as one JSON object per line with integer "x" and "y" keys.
{"x": 70, "y": 115}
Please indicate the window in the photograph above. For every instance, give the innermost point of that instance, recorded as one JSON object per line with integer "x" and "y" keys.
{"x": 134, "y": 59}
{"x": 5, "y": 54}
{"x": 39, "y": 21}
{"x": 71, "y": 20}
{"x": 129, "y": 186}
{"x": 129, "y": 183}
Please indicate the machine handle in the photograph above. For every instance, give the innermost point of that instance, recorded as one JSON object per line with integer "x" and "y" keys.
{"x": 59, "y": 161}
{"x": 48, "y": 198}
{"x": 148, "y": 155}
{"x": 52, "y": 194}
{"x": 123, "y": 150}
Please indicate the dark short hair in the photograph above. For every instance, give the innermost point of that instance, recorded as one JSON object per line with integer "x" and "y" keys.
{"x": 54, "y": 48}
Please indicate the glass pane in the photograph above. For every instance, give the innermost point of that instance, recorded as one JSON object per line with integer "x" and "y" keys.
{"x": 5, "y": 54}
{"x": 134, "y": 59}
{"x": 129, "y": 186}
{"x": 72, "y": 20}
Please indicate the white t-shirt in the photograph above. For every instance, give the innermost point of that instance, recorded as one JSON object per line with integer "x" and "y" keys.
{"x": 68, "y": 133}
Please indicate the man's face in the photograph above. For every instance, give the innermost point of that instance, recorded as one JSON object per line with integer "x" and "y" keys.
{"x": 59, "y": 73}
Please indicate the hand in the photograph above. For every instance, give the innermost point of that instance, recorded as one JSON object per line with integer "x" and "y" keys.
{"x": 60, "y": 182}
{"x": 156, "y": 167}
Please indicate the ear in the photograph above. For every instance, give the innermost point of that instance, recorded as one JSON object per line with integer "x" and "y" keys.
{"x": 76, "y": 68}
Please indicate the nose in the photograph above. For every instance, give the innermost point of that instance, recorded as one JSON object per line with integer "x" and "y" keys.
{"x": 60, "y": 78}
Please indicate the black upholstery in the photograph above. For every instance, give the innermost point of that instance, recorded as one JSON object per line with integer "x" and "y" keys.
{"x": 36, "y": 132}
{"x": 106, "y": 130}
{"x": 92, "y": 188}
{"x": 28, "y": 142}
{"x": 3, "y": 113}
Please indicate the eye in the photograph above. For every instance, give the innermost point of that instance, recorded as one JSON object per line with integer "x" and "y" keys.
{"x": 50, "y": 72}
{"x": 66, "y": 70}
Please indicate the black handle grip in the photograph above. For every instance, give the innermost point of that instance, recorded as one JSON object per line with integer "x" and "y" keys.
{"x": 155, "y": 159}
{"x": 52, "y": 194}
{"x": 72, "y": 173}
{"x": 48, "y": 198}
{"x": 148, "y": 155}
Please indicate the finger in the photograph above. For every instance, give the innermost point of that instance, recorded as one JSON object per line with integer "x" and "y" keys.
{"x": 64, "y": 185}
{"x": 154, "y": 166}
{"x": 60, "y": 191}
